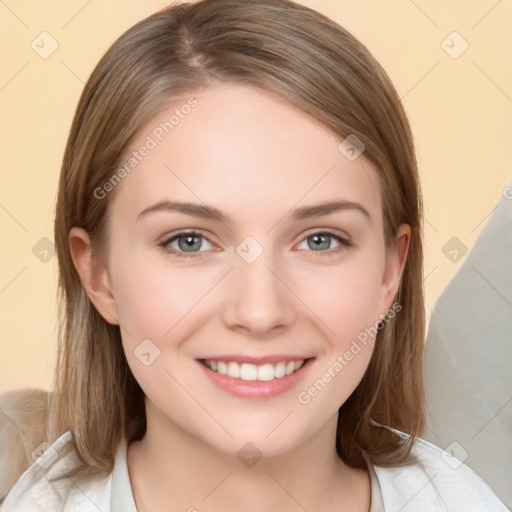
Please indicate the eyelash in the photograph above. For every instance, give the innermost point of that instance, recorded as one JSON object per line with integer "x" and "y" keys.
{"x": 329, "y": 252}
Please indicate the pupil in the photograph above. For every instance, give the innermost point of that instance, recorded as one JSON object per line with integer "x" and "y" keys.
{"x": 190, "y": 240}
{"x": 318, "y": 240}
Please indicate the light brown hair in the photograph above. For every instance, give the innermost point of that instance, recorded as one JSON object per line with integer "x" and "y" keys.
{"x": 314, "y": 64}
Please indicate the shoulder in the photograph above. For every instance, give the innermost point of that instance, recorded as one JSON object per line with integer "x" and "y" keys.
{"x": 57, "y": 481}
{"x": 23, "y": 419}
{"x": 435, "y": 480}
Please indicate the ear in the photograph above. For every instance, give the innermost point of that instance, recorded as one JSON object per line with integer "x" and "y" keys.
{"x": 94, "y": 277}
{"x": 395, "y": 262}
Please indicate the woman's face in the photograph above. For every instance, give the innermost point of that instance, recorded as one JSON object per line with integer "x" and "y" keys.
{"x": 270, "y": 279}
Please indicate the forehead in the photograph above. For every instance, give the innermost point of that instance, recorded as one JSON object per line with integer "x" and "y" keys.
{"x": 243, "y": 150}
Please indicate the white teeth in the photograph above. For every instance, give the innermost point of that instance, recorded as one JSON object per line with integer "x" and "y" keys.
{"x": 279, "y": 370}
{"x": 248, "y": 371}
{"x": 222, "y": 368}
{"x": 233, "y": 370}
{"x": 251, "y": 372}
{"x": 266, "y": 372}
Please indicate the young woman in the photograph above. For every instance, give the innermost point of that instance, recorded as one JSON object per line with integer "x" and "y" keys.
{"x": 238, "y": 228}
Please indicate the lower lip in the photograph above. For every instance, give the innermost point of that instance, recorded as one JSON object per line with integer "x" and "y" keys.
{"x": 256, "y": 388}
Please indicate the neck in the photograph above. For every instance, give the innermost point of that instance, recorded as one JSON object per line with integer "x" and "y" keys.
{"x": 172, "y": 471}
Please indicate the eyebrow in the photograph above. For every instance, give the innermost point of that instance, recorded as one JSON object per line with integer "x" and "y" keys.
{"x": 212, "y": 213}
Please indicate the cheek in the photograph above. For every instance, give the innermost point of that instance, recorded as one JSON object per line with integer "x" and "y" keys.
{"x": 152, "y": 298}
{"x": 157, "y": 306}
{"x": 345, "y": 297}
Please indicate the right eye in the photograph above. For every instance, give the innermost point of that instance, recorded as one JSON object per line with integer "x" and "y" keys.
{"x": 185, "y": 240}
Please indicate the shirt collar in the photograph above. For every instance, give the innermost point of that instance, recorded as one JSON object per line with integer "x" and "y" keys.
{"x": 122, "y": 495}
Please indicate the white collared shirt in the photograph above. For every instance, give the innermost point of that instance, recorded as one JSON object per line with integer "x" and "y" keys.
{"x": 435, "y": 482}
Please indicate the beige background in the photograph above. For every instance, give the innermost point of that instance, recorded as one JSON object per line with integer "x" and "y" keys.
{"x": 460, "y": 109}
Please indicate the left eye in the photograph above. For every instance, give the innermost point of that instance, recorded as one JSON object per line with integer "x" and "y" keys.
{"x": 322, "y": 240}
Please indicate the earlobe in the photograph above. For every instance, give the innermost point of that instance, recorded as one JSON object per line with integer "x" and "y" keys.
{"x": 395, "y": 262}
{"x": 94, "y": 277}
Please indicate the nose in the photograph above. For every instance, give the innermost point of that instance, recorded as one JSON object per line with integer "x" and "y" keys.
{"x": 259, "y": 300}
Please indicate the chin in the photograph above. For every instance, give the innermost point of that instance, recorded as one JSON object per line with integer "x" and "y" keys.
{"x": 259, "y": 441}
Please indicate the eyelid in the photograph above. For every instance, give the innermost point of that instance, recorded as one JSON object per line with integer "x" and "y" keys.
{"x": 188, "y": 231}
{"x": 329, "y": 231}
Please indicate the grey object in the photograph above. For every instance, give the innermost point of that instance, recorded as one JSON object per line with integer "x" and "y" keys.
{"x": 468, "y": 358}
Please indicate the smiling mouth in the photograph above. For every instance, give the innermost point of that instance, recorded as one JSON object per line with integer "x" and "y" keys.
{"x": 251, "y": 372}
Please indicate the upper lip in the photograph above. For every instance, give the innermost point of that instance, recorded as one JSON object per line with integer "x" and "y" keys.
{"x": 257, "y": 360}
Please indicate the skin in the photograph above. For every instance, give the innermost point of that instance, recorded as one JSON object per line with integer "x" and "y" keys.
{"x": 256, "y": 158}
